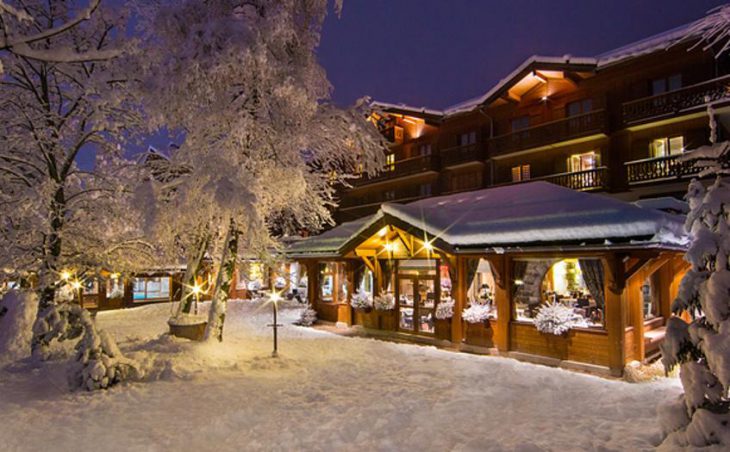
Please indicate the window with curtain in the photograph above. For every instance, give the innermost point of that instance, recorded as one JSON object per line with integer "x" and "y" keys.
{"x": 151, "y": 288}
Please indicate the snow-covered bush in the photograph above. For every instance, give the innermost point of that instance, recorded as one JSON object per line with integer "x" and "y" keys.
{"x": 308, "y": 317}
{"x": 65, "y": 294}
{"x": 554, "y": 318}
{"x": 16, "y": 325}
{"x": 361, "y": 300}
{"x": 445, "y": 309}
{"x": 476, "y": 313}
{"x": 384, "y": 302}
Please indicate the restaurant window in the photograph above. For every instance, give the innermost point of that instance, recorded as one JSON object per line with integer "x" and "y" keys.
{"x": 520, "y": 173}
{"x": 666, "y": 146}
{"x": 252, "y": 276}
{"x": 91, "y": 286}
{"x": 467, "y": 138}
{"x": 114, "y": 287}
{"x": 666, "y": 84}
{"x": 577, "y": 284}
{"x": 390, "y": 162}
{"x": 583, "y": 162}
{"x": 151, "y": 288}
{"x": 650, "y": 298}
{"x": 424, "y": 149}
{"x": 332, "y": 282}
{"x": 481, "y": 284}
{"x": 579, "y": 107}
{"x": 520, "y": 123}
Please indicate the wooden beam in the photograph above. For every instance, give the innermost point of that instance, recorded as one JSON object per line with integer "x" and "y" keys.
{"x": 511, "y": 97}
{"x": 540, "y": 76}
{"x": 403, "y": 238}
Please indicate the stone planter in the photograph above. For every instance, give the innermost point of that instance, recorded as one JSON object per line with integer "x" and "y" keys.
{"x": 479, "y": 334}
{"x": 193, "y": 330}
{"x": 443, "y": 329}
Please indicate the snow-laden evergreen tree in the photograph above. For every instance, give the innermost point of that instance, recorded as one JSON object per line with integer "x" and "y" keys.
{"x": 701, "y": 348}
{"x": 56, "y": 215}
{"x": 263, "y": 148}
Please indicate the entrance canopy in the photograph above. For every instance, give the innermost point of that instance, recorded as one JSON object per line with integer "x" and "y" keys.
{"x": 528, "y": 215}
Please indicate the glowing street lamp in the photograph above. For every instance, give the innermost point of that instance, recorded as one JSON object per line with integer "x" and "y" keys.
{"x": 65, "y": 275}
{"x": 197, "y": 289}
{"x": 274, "y": 298}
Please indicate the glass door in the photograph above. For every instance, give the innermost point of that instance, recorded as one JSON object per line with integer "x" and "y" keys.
{"x": 426, "y": 305}
{"x": 416, "y": 304}
{"x": 406, "y": 303}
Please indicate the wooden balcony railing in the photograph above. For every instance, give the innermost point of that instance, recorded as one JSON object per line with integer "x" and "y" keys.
{"x": 591, "y": 179}
{"x": 413, "y": 165}
{"x": 400, "y": 194}
{"x": 580, "y": 180}
{"x": 659, "y": 168}
{"x": 673, "y": 102}
{"x": 462, "y": 154}
{"x": 550, "y": 132}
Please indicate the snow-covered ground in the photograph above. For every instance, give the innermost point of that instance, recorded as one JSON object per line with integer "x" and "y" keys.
{"x": 324, "y": 392}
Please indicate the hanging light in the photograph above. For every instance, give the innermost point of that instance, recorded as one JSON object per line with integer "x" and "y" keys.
{"x": 65, "y": 275}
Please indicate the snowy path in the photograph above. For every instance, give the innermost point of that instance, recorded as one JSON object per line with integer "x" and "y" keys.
{"x": 326, "y": 392}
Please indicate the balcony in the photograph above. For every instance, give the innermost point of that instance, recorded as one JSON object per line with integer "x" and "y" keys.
{"x": 397, "y": 195}
{"x": 550, "y": 133}
{"x": 674, "y": 102}
{"x": 462, "y": 154}
{"x": 405, "y": 167}
{"x": 659, "y": 169}
{"x": 592, "y": 179}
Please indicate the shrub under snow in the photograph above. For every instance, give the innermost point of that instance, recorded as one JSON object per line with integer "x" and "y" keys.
{"x": 16, "y": 324}
{"x": 554, "y": 318}
{"x": 308, "y": 317}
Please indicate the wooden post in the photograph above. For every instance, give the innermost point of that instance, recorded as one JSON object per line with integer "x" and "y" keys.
{"x": 502, "y": 299}
{"x": 313, "y": 283}
{"x": 616, "y": 299}
{"x": 457, "y": 325}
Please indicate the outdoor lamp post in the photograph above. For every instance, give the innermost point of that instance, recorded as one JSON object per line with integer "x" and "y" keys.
{"x": 274, "y": 298}
{"x": 197, "y": 289}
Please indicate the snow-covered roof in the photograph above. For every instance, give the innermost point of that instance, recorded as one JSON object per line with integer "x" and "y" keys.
{"x": 329, "y": 242}
{"x": 522, "y": 215}
{"x": 665, "y": 204}
{"x": 661, "y": 41}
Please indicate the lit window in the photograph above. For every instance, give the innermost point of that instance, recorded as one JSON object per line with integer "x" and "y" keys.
{"x": 664, "y": 147}
{"x": 583, "y": 162}
{"x": 520, "y": 173}
{"x": 151, "y": 288}
{"x": 390, "y": 162}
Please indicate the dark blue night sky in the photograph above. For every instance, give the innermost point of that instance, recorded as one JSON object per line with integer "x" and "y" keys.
{"x": 438, "y": 52}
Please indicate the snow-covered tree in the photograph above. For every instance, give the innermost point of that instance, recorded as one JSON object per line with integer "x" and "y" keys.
{"x": 264, "y": 148}
{"x": 22, "y": 32}
{"x": 57, "y": 215}
{"x": 701, "y": 348}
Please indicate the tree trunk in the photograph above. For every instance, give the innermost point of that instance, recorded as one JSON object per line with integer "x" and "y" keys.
{"x": 195, "y": 261}
{"x": 217, "y": 314}
{"x": 49, "y": 271}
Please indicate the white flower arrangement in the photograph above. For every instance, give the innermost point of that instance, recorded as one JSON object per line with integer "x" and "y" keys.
{"x": 384, "y": 302}
{"x": 554, "y": 318}
{"x": 361, "y": 300}
{"x": 445, "y": 309}
{"x": 476, "y": 313}
{"x": 308, "y": 317}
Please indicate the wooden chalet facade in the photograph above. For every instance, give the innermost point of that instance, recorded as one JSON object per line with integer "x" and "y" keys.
{"x": 614, "y": 123}
{"x": 511, "y": 242}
